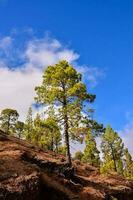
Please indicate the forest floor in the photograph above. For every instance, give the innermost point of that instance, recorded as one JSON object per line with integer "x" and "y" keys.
{"x": 29, "y": 173}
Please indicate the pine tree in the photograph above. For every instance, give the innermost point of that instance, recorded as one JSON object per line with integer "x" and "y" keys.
{"x": 28, "y": 129}
{"x": 55, "y": 128}
{"x": 8, "y": 119}
{"x": 96, "y": 128}
{"x": 91, "y": 153}
{"x": 128, "y": 164}
{"x": 78, "y": 155}
{"x": 62, "y": 86}
{"x": 52, "y": 136}
{"x": 112, "y": 150}
{"x": 46, "y": 131}
{"x": 38, "y": 129}
{"x": 19, "y": 129}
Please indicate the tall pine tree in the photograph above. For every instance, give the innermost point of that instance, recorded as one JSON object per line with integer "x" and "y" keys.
{"x": 62, "y": 85}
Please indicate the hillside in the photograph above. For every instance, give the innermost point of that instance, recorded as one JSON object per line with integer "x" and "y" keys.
{"x": 28, "y": 172}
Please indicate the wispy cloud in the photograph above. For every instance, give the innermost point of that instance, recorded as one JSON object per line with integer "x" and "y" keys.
{"x": 5, "y": 43}
{"x": 47, "y": 51}
{"x": 92, "y": 74}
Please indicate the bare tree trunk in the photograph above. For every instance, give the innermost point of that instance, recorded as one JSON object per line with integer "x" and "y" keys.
{"x": 52, "y": 144}
{"x": 56, "y": 146}
{"x": 68, "y": 155}
{"x": 8, "y": 125}
{"x": 66, "y": 133}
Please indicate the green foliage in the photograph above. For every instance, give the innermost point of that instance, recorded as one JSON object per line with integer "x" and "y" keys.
{"x": 8, "y": 119}
{"x": 57, "y": 78}
{"x": 62, "y": 150}
{"x": 128, "y": 164}
{"x": 37, "y": 129}
{"x": 62, "y": 86}
{"x": 112, "y": 149}
{"x": 43, "y": 132}
{"x": 51, "y": 136}
{"x": 28, "y": 128}
{"x": 91, "y": 153}
{"x": 96, "y": 128}
{"x": 78, "y": 155}
{"x": 19, "y": 128}
{"x": 107, "y": 167}
{"x": 53, "y": 133}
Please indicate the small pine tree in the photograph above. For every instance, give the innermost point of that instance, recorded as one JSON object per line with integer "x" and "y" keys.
{"x": 46, "y": 131}
{"x": 8, "y": 119}
{"x": 112, "y": 150}
{"x": 62, "y": 150}
{"x": 28, "y": 128}
{"x": 78, "y": 155}
{"x": 19, "y": 129}
{"x": 128, "y": 164}
{"x": 91, "y": 153}
{"x": 38, "y": 129}
{"x": 52, "y": 124}
{"x": 52, "y": 136}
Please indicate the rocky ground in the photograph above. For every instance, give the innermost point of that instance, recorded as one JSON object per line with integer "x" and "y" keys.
{"x": 29, "y": 173}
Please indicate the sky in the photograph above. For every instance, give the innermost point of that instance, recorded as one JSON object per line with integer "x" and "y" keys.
{"x": 96, "y": 36}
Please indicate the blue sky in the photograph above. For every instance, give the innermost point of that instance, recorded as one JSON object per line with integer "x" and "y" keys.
{"x": 99, "y": 32}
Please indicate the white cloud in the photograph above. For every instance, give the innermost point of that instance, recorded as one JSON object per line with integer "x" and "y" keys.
{"x": 17, "y": 85}
{"x": 47, "y": 51}
{"x": 17, "y": 88}
{"x": 5, "y": 42}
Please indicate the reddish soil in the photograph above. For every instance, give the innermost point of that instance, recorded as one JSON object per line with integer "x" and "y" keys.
{"x": 29, "y": 173}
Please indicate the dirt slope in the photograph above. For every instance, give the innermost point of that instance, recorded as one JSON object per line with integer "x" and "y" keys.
{"x": 29, "y": 173}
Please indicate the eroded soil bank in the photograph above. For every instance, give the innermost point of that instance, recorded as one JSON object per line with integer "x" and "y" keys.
{"x": 27, "y": 172}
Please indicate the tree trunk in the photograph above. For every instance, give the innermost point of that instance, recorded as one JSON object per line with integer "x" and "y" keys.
{"x": 8, "y": 125}
{"x": 68, "y": 155}
{"x": 66, "y": 133}
{"x": 52, "y": 144}
{"x": 56, "y": 146}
